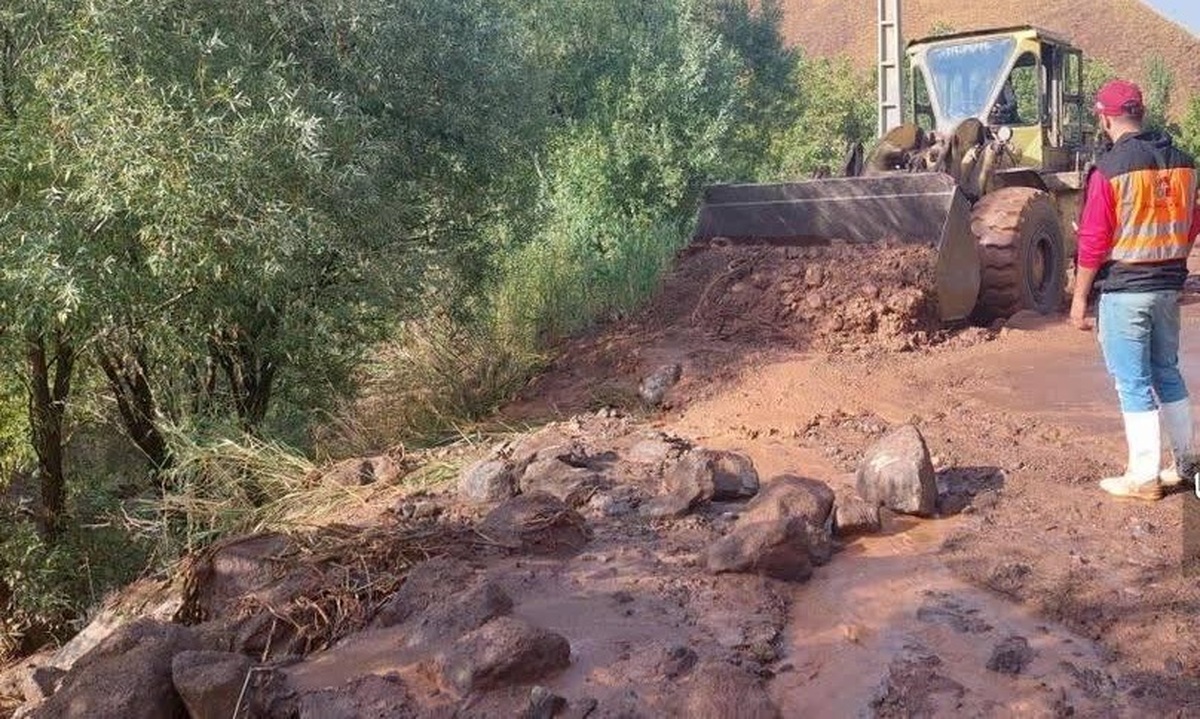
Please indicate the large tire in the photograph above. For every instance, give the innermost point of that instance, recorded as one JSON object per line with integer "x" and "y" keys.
{"x": 1023, "y": 263}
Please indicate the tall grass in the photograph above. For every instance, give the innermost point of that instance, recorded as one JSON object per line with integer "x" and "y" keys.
{"x": 559, "y": 285}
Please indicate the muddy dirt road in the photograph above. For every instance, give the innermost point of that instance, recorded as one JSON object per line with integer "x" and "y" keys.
{"x": 1034, "y": 563}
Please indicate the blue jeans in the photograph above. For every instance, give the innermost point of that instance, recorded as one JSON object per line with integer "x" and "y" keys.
{"x": 1139, "y": 336}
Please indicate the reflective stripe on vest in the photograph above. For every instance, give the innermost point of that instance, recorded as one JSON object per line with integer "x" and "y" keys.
{"x": 1154, "y": 214}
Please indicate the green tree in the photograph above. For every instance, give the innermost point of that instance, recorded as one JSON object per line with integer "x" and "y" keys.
{"x": 221, "y": 206}
{"x": 836, "y": 108}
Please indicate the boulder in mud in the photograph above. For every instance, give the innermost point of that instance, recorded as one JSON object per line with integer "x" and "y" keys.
{"x": 788, "y": 496}
{"x": 487, "y": 481}
{"x": 127, "y": 675}
{"x": 543, "y": 704}
{"x": 1011, "y": 656}
{"x": 503, "y": 651}
{"x": 686, "y": 484}
{"x": 209, "y": 682}
{"x": 734, "y": 477}
{"x": 853, "y": 515}
{"x": 897, "y": 472}
{"x": 654, "y": 386}
{"x": 718, "y": 689}
{"x": 701, "y": 475}
{"x": 427, "y": 584}
{"x": 538, "y": 523}
{"x": 656, "y": 449}
{"x": 776, "y": 548}
{"x": 368, "y": 696}
{"x": 237, "y": 568}
{"x": 677, "y": 661}
{"x": 465, "y": 611}
{"x": 573, "y": 485}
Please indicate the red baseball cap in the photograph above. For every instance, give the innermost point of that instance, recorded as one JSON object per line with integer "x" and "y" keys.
{"x": 1119, "y": 97}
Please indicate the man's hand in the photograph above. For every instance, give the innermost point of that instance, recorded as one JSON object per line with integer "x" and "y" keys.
{"x": 1079, "y": 318}
{"x": 1084, "y": 278}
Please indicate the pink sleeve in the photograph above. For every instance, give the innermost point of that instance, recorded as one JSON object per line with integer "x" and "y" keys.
{"x": 1098, "y": 222}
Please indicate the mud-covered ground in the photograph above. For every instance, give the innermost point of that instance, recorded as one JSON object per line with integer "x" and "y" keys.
{"x": 1029, "y": 593}
{"x": 1024, "y": 415}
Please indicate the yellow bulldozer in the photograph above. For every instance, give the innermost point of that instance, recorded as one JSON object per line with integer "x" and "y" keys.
{"x": 988, "y": 167}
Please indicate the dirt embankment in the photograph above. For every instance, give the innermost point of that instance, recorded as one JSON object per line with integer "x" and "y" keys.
{"x": 724, "y": 308}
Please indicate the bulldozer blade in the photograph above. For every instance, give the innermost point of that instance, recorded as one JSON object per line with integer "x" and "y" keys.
{"x": 919, "y": 208}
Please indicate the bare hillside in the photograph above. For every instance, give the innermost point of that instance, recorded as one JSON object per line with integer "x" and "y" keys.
{"x": 1124, "y": 33}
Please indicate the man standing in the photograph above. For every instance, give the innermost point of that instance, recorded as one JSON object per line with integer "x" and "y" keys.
{"x": 1136, "y": 231}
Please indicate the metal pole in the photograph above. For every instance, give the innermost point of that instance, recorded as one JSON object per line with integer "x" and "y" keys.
{"x": 891, "y": 84}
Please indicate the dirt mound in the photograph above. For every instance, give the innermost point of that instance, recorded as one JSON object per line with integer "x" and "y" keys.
{"x": 835, "y": 298}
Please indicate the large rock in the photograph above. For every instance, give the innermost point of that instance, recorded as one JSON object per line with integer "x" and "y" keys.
{"x": 573, "y": 485}
{"x": 701, "y": 475}
{"x": 536, "y": 522}
{"x": 686, "y": 484}
{"x": 466, "y": 611}
{"x": 144, "y": 599}
{"x": 426, "y": 585}
{"x": 776, "y": 548}
{"x": 656, "y": 449}
{"x": 897, "y": 472}
{"x": 127, "y": 675}
{"x": 366, "y": 696}
{"x": 853, "y": 515}
{"x": 210, "y": 682}
{"x": 734, "y": 477}
{"x": 503, "y": 651}
{"x": 244, "y": 566}
{"x": 789, "y": 496}
{"x": 487, "y": 481}
{"x": 723, "y": 690}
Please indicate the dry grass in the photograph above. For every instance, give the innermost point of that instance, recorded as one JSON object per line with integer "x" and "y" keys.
{"x": 349, "y": 573}
{"x": 429, "y": 387}
{"x": 230, "y": 488}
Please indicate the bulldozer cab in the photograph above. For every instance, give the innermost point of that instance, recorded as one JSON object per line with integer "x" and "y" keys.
{"x": 1021, "y": 78}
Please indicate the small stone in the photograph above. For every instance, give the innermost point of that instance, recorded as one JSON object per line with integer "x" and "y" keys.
{"x": 654, "y": 386}
{"x": 814, "y": 276}
{"x": 1011, "y": 656}
{"x": 487, "y": 481}
{"x": 581, "y": 708}
{"x": 764, "y": 652}
{"x": 679, "y": 660}
{"x": 544, "y": 704}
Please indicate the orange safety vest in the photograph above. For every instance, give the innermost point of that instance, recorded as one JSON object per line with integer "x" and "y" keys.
{"x": 1154, "y": 214}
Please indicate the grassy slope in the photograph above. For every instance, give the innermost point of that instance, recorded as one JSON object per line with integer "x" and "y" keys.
{"x": 1124, "y": 33}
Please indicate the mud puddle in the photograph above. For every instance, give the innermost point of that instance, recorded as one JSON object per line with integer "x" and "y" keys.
{"x": 889, "y": 631}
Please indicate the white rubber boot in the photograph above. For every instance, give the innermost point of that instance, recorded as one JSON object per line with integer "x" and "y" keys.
{"x": 1177, "y": 420}
{"x": 1140, "y": 481}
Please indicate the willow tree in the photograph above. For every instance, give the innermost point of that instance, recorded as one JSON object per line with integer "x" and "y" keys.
{"x": 220, "y": 205}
